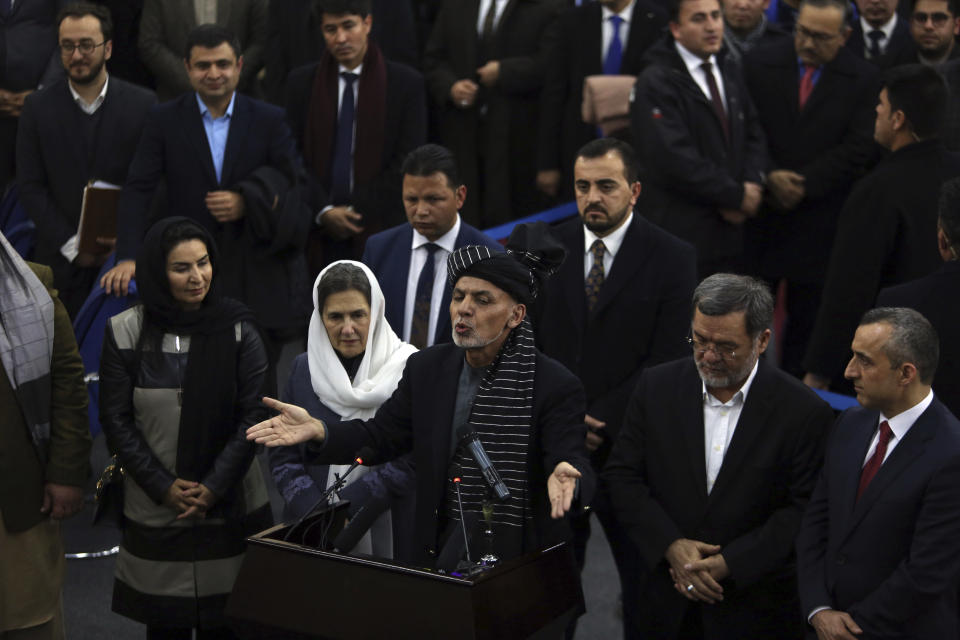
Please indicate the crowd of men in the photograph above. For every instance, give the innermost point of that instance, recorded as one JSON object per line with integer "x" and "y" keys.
{"x": 806, "y": 149}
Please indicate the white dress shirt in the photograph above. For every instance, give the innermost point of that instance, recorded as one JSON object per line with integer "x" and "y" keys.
{"x": 606, "y": 25}
{"x": 693, "y": 63}
{"x": 611, "y": 245}
{"x": 719, "y": 423}
{"x": 899, "y": 424}
{"x": 887, "y": 30}
{"x": 482, "y": 14}
{"x": 418, "y": 257}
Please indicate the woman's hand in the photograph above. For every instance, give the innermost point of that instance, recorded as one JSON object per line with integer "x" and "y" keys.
{"x": 293, "y": 426}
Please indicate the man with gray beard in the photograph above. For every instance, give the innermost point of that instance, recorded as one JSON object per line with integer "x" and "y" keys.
{"x": 715, "y": 461}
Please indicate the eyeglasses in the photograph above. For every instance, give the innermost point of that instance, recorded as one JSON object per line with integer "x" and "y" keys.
{"x": 939, "y": 18}
{"x": 86, "y": 47}
{"x": 700, "y": 348}
{"x": 817, "y": 36}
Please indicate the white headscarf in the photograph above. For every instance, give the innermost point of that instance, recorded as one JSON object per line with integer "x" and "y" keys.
{"x": 380, "y": 369}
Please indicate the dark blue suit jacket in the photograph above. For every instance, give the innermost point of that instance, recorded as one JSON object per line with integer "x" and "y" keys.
{"x": 890, "y": 559}
{"x": 388, "y": 255}
{"x": 173, "y": 150}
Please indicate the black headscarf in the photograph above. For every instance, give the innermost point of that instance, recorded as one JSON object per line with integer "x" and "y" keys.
{"x": 208, "y": 415}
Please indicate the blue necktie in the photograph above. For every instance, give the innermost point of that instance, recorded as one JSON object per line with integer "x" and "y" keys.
{"x": 611, "y": 64}
{"x": 420, "y": 326}
{"x": 343, "y": 149}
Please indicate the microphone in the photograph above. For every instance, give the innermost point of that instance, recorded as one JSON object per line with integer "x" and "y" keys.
{"x": 360, "y": 523}
{"x": 452, "y": 552}
{"x": 468, "y": 437}
{"x": 365, "y": 452}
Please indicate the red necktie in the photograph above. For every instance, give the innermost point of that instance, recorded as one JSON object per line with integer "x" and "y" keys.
{"x": 873, "y": 464}
{"x": 715, "y": 98}
{"x": 806, "y": 83}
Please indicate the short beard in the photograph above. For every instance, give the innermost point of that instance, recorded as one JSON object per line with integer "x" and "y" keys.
{"x": 474, "y": 341}
{"x": 732, "y": 378}
{"x": 90, "y": 77}
{"x": 602, "y": 227}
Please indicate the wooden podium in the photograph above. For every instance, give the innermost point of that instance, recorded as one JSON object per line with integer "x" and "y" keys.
{"x": 288, "y": 590}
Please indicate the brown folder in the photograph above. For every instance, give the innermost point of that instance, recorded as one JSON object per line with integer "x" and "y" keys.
{"x": 98, "y": 217}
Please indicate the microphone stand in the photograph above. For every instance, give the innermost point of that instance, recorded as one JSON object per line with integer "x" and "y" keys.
{"x": 338, "y": 484}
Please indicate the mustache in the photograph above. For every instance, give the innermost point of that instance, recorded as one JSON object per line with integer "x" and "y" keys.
{"x": 595, "y": 207}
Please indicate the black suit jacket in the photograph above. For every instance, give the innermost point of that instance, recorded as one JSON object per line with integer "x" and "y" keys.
{"x": 891, "y": 558}
{"x": 898, "y": 204}
{"x": 405, "y": 129}
{"x": 295, "y": 39}
{"x": 641, "y": 317}
{"x": 900, "y": 50}
{"x": 829, "y": 142}
{"x": 690, "y": 169}
{"x": 935, "y": 296}
{"x": 657, "y": 480}
{"x": 419, "y": 417}
{"x": 575, "y": 47}
{"x": 173, "y": 150}
{"x": 54, "y": 163}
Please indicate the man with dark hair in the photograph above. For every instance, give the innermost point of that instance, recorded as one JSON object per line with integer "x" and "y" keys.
{"x": 523, "y": 406}
{"x": 897, "y": 203}
{"x": 355, "y": 115}
{"x": 879, "y": 550}
{"x": 74, "y": 131}
{"x": 293, "y": 27}
{"x": 703, "y": 151}
{"x": 409, "y": 259}
{"x": 618, "y": 305}
{"x": 815, "y": 101}
{"x": 165, "y": 28}
{"x": 709, "y": 476}
{"x": 228, "y": 162}
{"x": 881, "y": 35}
{"x": 607, "y": 37}
{"x": 934, "y": 26}
{"x": 29, "y": 60}
{"x": 746, "y": 26}
{"x": 935, "y": 296}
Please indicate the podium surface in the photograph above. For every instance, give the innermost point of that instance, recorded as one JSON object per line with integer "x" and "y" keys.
{"x": 289, "y": 590}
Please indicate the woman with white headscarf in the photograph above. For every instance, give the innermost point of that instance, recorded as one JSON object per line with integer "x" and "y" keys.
{"x": 353, "y": 363}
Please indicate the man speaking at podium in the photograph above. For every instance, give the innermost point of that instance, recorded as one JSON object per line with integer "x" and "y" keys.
{"x": 526, "y": 408}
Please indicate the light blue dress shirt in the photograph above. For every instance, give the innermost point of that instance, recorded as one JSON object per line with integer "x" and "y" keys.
{"x": 217, "y": 131}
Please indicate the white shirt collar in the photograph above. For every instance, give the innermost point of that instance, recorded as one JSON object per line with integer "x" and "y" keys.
{"x": 226, "y": 114}
{"x": 887, "y": 28}
{"x": 692, "y": 60}
{"x": 741, "y": 394}
{"x": 612, "y": 241}
{"x": 90, "y": 108}
{"x": 358, "y": 70}
{"x": 625, "y": 15}
{"x": 447, "y": 241}
{"x": 902, "y": 422}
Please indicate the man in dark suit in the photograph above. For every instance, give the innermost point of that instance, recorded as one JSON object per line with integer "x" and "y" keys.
{"x": 211, "y": 148}
{"x": 818, "y": 147}
{"x": 879, "y": 550}
{"x": 494, "y": 380}
{"x": 897, "y": 203}
{"x": 354, "y": 143}
{"x": 410, "y": 259}
{"x": 293, "y": 28}
{"x": 608, "y": 37}
{"x": 935, "y": 296}
{"x": 715, "y": 461}
{"x": 484, "y": 65}
{"x": 165, "y": 26}
{"x": 746, "y": 26}
{"x": 934, "y": 26}
{"x": 702, "y": 145}
{"x": 882, "y": 34}
{"x": 28, "y": 61}
{"x": 82, "y": 128}
{"x": 609, "y": 318}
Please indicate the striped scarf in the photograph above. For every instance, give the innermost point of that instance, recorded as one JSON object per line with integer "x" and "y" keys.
{"x": 26, "y": 342}
{"x": 501, "y": 415}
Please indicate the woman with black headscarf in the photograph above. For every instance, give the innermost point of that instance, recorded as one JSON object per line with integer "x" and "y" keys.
{"x": 180, "y": 380}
